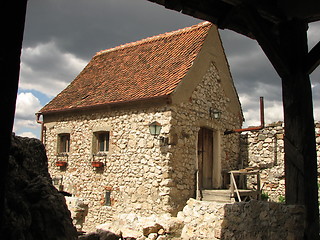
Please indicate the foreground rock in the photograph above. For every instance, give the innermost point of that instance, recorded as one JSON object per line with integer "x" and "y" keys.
{"x": 79, "y": 210}
{"x": 34, "y": 209}
{"x": 155, "y": 227}
{"x": 216, "y": 221}
{"x": 101, "y": 235}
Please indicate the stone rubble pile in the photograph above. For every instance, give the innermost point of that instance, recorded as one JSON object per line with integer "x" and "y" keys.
{"x": 101, "y": 235}
{"x": 214, "y": 221}
{"x": 155, "y": 227}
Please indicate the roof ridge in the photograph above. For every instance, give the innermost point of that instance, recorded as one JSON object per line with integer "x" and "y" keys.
{"x": 154, "y": 38}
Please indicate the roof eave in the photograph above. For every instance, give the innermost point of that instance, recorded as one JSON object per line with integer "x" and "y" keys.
{"x": 163, "y": 99}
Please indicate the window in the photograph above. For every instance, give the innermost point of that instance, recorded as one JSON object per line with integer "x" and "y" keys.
{"x": 101, "y": 141}
{"x": 64, "y": 143}
{"x": 108, "y": 198}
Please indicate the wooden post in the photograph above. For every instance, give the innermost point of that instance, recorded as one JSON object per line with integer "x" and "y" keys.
{"x": 299, "y": 141}
{"x": 258, "y": 186}
{"x": 231, "y": 185}
{"x": 288, "y": 53}
{"x": 12, "y": 26}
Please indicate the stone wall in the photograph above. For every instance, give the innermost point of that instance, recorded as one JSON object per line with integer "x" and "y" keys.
{"x": 264, "y": 149}
{"x": 78, "y": 209}
{"x": 134, "y": 169}
{"x": 186, "y": 120}
{"x": 144, "y": 175}
{"x": 242, "y": 221}
{"x": 254, "y": 220}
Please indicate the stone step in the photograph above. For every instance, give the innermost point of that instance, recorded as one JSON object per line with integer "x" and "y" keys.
{"x": 222, "y": 196}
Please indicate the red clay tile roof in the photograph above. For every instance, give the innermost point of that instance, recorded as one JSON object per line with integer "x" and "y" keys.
{"x": 149, "y": 68}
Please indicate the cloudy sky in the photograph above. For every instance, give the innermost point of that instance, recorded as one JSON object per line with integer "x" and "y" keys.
{"x": 61, "y": 36}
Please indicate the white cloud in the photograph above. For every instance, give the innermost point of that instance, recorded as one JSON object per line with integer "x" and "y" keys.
{"x": 47, "y": 69}
{"x": 27, "y": 105}
{"x": 25, "y": 121}
{"x": 21, "y": 125}
{"x": 273, "y": 110}
{"x": 313, "y": 34}
{"x": 316, "y": 112}
{"x": 28, "y": 134}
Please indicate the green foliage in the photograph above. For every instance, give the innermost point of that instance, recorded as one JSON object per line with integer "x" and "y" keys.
{"x": 264, "y": 196}
{"x": 282, "y": 199}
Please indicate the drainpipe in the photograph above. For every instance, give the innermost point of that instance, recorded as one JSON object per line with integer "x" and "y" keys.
{"x": 43, "y": 128}
{"x": 251, "y": 128}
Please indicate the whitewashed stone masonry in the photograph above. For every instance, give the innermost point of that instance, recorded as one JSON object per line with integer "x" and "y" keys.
{"x": 144, "y": 176}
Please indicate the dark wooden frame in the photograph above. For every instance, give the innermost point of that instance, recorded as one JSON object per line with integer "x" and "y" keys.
{"x": 12, "y": 27}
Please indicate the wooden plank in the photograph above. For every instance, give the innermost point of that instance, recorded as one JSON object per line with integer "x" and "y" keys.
{"x": 258, "y": 187}
{"x": 200, "y": 158}
{"x": 12, "y": 27}
{"x": 299, "y": 141}
{"x": 312, "y": 60}
{"x": 265, "y": 37}
{"x": 234, "y": 186}
{"x": 207, "y": 158}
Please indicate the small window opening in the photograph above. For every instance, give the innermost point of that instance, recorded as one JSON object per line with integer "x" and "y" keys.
{"x": 108, "y": 198}
{"x": 103, "y": 139}
{"x": 64, "y": 143}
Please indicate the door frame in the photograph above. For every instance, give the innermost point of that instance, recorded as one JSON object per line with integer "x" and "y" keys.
{"x": 216, "y": 160}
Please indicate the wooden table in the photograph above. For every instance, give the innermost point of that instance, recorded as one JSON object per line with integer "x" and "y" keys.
{"x": 245, "y": 193}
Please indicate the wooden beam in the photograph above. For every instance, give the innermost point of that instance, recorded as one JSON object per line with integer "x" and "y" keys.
{"x": 312, "y": 60}
{"x": 265, "y": 37}
{"x": 12, "y": 27}
{"x": 174, "y": 5}
{"x": 299, "y": 141}
{"x": 268, "y": 10}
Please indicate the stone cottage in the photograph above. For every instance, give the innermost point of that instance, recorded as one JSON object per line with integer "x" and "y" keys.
{"x": 97, "y": 130}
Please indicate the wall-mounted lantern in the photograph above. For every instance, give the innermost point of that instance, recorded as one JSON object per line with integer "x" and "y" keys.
{"x": 57, "y": 180}
{"x": 155, "y": 128}
{"x": 214, "y": 113}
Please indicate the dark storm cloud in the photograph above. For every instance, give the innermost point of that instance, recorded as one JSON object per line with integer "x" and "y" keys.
{"x": 254, "y": 76}
{"x": 84, "y": 27}
{"x": 250, "y": 67}
{"x": 62, "y": 35}
{"x": 47, "y": 69}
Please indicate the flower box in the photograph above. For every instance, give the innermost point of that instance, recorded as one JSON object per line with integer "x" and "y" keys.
{"x": 61, "y": 163}
{"x": 97, "y": 164}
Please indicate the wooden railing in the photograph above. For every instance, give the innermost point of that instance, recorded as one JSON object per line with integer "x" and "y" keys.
{"x": 245, "y": 193}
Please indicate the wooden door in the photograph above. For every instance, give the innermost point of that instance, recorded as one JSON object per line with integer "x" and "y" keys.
{"x": 205, "y": 158}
